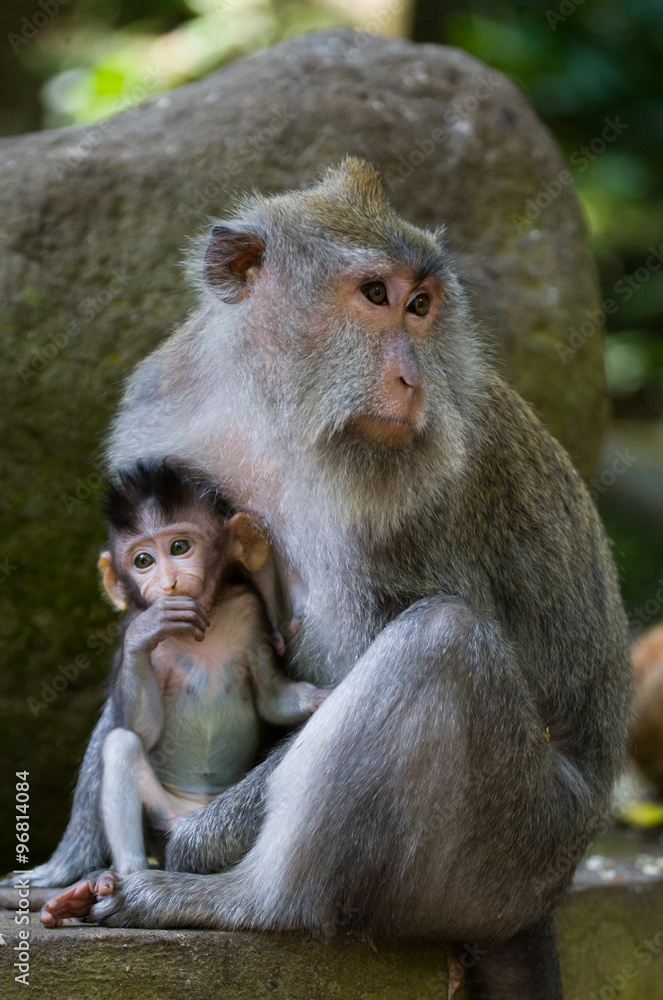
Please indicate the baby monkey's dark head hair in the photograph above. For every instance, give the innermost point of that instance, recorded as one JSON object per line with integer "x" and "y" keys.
{"x": 162, "y": 484}
{"x": 147, "y": 505}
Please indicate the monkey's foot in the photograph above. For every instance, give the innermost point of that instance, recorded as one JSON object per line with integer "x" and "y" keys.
{"x": 77, "y": 900}
{"x": 154, "y": 899}
{"x": 43, "y": 875}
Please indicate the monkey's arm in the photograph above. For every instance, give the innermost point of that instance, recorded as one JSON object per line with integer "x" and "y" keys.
{"x": 279, "y": 699}
{"x": 266, "y": 582}
{"x": 138, "y": 694}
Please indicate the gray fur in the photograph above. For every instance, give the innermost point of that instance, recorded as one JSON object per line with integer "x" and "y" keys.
{"x": 83, "y": 848}
{"x": 461, "y": 594}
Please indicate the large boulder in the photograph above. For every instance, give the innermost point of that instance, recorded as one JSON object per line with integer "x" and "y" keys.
{"x": 94, "y": 222}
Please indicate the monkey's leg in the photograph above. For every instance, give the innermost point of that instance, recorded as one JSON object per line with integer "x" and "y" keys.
{"x": 524, "y": 968}
{"x": 83, "y": 847}
{"x": 130, "y": 790}
{"x": 384, "y": 812}
{"x": 121, "y": 800}
{"x": 220, "y": 834}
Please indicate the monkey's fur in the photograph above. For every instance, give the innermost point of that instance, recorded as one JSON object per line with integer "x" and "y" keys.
{"x": 461, "y": 594}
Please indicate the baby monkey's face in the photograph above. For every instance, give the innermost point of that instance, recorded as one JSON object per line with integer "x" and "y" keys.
{"x": 181, "y": 558}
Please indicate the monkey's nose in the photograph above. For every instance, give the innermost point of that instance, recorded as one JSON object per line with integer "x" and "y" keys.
{"x": 411, "y": 384}
{"x": 403, "y": 377}
{"x": 406, "y": 390}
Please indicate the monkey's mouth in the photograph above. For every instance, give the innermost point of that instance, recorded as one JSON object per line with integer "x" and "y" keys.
{"x": 386, "y": 430}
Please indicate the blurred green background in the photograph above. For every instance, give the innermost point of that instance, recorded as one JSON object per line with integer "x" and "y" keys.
{"x": 592, "y": 69}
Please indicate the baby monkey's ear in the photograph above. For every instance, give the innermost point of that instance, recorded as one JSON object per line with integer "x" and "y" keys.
{"x": 248, "y": 542}
{"x": 110, "y": 582}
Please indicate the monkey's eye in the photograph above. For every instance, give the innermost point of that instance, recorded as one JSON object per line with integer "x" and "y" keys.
{"x": 420, "y": 305}
{"x": 375, "y": 292}
{"x": 179, "y": 547}
{"x": 143, "y": 560}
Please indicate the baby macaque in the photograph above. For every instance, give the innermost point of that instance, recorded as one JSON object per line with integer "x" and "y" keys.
{"x": 194, "y": 673}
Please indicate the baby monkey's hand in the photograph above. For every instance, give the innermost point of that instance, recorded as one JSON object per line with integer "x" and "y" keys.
{"x": 169, "y": 615}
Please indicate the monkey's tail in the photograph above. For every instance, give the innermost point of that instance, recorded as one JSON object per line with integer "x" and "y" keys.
{"x": 526, "y": 967}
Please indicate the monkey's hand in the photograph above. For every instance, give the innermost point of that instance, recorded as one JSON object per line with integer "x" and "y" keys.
{"x": 156, "y": 899}
{"x": 169, "y": 615}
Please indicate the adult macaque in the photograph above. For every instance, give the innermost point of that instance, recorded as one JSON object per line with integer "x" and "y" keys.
{"x": 194, "y": 671}
{"x": 460, "y": 594}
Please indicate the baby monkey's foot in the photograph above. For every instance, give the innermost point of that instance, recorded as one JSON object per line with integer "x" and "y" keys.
{"x": 77, "y": 900}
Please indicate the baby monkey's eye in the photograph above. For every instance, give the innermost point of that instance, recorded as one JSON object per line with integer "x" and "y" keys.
{"x": 143, "y": 560}
{"x": 420, "y": 305}
{"x": 179, "y": 547}
{"x": 375, "y": 292}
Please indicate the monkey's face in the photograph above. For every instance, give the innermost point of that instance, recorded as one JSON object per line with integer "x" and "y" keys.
{"x": 181, "y": 558}
{"x": 391, "y": 314}
{"x": 353, "y": 352}
{"x": 373, "y": 371}
{"x": 353, "y": 337}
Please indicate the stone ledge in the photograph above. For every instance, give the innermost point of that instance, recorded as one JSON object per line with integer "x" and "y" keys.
{"x": 80, "y": 963}
{"x": 611, "y": 935}
{"x": 611, "y": 938}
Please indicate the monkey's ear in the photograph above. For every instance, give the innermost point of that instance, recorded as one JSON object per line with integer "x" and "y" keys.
{"x": 249, "y": 544}
{"x": 110, "y": 582}
{"x": 231, "y": 258}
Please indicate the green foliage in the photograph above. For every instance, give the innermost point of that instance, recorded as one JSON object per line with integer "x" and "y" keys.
{"x": 584, "y": 64}
{"x": 638, "y": 553}
{"x": 104, "y": 56}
